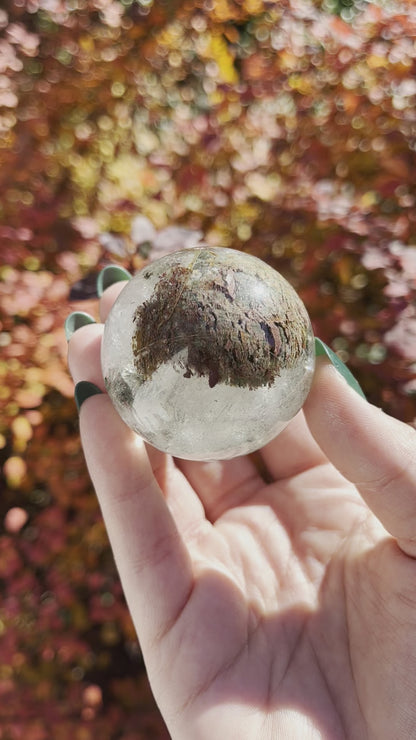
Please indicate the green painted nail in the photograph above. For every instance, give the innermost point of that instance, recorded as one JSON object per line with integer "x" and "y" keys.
{"x": 322, "y": 349}
{"x": 75, "y": 320}
{"x": 111, "y": 274}
{"x": 83, "y": 390}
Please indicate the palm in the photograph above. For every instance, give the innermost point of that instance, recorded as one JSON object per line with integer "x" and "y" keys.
{"x": 287, "y": 632}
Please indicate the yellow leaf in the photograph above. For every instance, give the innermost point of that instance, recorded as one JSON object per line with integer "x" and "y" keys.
{"x": 87, "y": 44}
{"x": 368, "y": 199}
{"x": 223, "y": 10}
{"x": 220, "y": 54}
{"x": 254, "y": 7}
{"x": 22, "y": 432}
{"x": 300, "y": 83}
{"x": 15, "y": 470}
{"x": 375, "y": 62}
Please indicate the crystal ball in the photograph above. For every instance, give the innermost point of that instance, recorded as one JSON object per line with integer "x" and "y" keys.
{"x": 208, "y": 353}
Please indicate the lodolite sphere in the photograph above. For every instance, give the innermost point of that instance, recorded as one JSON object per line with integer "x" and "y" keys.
{"x": 208, "y": 353}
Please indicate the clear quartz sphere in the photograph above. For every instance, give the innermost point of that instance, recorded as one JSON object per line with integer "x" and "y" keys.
{"x": 208, "y": 353}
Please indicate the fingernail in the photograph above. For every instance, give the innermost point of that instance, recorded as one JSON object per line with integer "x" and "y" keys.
{"x": 111, "y": 274}
{"x": 322, "y": 349}
{"x": 75, "y": 320}
{"x": 83, "y": 390}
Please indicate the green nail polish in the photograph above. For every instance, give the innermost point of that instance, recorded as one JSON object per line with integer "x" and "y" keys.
{"x": 111, "y": 274}
{"x": 322, "y": 349}
{"x": 75, "y": 320}
{"x": 83, "y": 390}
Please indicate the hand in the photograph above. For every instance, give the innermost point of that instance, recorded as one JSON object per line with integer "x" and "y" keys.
{"x": 284, "y": 609}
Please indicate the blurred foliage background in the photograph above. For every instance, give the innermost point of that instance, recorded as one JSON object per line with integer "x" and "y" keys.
{"x": 131, "y": 128}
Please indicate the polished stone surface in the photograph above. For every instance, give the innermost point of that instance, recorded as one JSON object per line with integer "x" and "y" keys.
{"x": 208, "y": 353}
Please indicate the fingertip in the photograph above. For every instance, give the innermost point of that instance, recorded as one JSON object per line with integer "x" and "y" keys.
{"x": 341, "y": 421}
{"x": 332, "y": 403}
{"x": 109, "y": 296}
{"x": 75, "y": 321}
{"x": 84, "y": 354}
{"x": 110, "y": 275}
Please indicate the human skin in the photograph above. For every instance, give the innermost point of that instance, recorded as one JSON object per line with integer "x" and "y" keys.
{"x": 274, "y": 600}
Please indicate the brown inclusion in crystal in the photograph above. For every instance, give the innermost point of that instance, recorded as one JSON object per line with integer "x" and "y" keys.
{"x": 228, "y": 334}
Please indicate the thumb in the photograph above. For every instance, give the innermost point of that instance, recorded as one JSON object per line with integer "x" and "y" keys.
{"x": 372, "y": 450}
